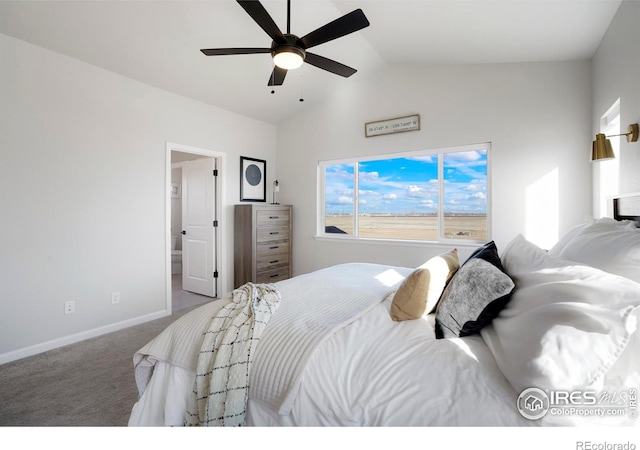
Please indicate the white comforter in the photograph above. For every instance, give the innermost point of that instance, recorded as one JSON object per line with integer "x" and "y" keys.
{"x": 371, "y": 371}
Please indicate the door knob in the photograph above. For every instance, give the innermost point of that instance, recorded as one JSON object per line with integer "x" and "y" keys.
{"x": 184, "y": 232}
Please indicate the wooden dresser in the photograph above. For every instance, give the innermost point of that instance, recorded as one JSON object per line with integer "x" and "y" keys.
{"x": 262, "y": 243}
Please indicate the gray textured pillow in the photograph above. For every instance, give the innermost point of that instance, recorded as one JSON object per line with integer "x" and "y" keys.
{"x": 476, "y": 294}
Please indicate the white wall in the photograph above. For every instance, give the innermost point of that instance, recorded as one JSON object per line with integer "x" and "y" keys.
{"x": 616, "y": 74}
{"x": 82, "y": 193}
{"x": 536, "y": 116}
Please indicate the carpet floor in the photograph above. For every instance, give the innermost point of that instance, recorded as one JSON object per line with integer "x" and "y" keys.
{"x": 90, "y": 383}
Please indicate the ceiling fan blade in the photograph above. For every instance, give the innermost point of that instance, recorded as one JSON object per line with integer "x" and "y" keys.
{"x": 234, "y": 51}
{"x": 329, "y": 65}
{"x": 277, "y": 76}
{"x": 354, "y": 21}
{"x": 263, "y": 19}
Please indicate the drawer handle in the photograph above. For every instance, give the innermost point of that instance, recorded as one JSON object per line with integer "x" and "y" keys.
{"x": 274, "y": 217}
{"x": 273, "y": 248}
{"x": 274, "y": 232}
{"x": 273, "y": 276}
{"x": 275, "y": 261}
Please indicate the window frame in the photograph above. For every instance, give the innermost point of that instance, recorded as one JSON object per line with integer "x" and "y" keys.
{"x": 439, "y": 152}
{"x": 608, "y": 172}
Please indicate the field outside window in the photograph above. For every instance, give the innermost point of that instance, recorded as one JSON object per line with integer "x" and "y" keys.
{"x": 426, "y": 196}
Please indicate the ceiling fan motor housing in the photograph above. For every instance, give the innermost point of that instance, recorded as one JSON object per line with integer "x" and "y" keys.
{"x": 290, "y": 45}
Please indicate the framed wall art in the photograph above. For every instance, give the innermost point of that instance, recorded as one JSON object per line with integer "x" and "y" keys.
{"x": 253, "y": 174}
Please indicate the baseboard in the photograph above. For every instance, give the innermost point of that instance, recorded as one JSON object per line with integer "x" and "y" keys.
{"x": 72, "y": 339}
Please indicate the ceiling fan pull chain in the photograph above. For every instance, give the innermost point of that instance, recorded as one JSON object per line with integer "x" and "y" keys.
{"x": 301, "y": 97}
{"x": 273, "y": 90}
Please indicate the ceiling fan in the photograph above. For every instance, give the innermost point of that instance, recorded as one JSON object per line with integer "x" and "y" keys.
{"x": 288, "y": 50}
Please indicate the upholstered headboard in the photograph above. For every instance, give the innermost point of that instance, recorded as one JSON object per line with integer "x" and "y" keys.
{"x": 627, "y": 207}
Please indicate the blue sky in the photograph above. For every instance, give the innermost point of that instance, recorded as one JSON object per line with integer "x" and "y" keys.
{"x": 410, "y": 185}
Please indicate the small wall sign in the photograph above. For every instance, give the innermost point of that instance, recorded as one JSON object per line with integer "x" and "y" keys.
{"x": 390, "y": 126}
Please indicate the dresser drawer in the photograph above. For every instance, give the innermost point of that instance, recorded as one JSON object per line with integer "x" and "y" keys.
{"x": 269, "y": 218}
{"x": 266, "y": 234}
{"x": 271, "y": 276}
{"x": 273, "y": 248}
{"x": 269, "y": 262}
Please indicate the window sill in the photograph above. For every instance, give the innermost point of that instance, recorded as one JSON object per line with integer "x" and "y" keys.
{"x": 400, "y": 243}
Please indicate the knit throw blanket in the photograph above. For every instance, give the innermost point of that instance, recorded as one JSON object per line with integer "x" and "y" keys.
{"x": 221, "y": 389}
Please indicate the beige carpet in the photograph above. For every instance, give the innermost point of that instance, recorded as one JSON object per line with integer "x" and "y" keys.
{"x": 90, "y": 383}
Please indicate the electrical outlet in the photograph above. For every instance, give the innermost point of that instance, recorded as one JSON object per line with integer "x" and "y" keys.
{"x": 69, "y": 307}
{"x": 115, "y": 298}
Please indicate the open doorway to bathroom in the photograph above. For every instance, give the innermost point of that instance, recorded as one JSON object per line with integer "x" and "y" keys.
{"x": 193, "y": 204}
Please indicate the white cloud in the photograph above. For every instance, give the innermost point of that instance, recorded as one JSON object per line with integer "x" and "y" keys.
{"x": 369, "y": 175}
{"x": 344, "y": 201}
{"x": 426, "y": 158}
{"x": 464, "y": 156}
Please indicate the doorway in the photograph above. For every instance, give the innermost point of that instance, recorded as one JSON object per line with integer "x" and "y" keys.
{"x": 194, "y": 225}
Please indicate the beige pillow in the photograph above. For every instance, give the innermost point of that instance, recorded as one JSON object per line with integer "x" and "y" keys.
{"x": 420, "y": 291}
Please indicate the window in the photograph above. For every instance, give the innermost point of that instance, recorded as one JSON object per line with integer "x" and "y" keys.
{"x": 607, "y": 172}
{"x": 426, "y": 196}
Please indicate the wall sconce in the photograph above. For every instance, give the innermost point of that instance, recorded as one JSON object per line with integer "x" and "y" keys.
{"x": 276, "y": 188}
{"x": 601, "y": 148}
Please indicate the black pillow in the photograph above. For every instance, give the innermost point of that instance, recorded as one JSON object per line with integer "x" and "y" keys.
{"x": 478, "y": 291}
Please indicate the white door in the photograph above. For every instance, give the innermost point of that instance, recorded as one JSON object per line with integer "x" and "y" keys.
{"x": 198, "y": 230}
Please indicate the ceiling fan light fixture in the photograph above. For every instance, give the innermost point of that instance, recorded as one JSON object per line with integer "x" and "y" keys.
{"x": 288, "y": 58}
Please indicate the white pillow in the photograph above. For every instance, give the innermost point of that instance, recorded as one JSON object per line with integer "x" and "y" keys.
{"x": 606, "y": 223}
{"x": 566, "y": 238}
{"x": 614, "y": 249}
{"x": 566, "y": 323}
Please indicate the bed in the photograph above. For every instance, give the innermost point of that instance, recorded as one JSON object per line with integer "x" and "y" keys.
{"x": 521, "y": 337}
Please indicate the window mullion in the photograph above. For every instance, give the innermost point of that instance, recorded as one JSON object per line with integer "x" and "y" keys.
{"x": 440, "y": 196}
{"x": 356, "y": 226}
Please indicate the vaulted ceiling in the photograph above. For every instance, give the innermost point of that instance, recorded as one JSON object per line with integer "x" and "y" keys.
{"x": 159, "y": 42}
